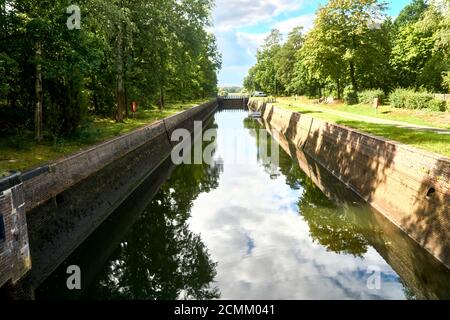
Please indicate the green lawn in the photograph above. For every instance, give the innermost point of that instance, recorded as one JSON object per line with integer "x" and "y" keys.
{"x": 431, "y": 141}
{"x": 417, "y": 117}
{"x": 20, "y": 152}
{"x": 438, "y": 143}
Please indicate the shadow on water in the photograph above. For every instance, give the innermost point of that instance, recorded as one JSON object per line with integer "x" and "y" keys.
{"x": 145, "y": 250}
{"x": 148, "y": 249}
{"x": 346, "y": 224}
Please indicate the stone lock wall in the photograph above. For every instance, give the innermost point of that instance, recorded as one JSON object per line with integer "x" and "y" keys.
{"x": 15, "y": 259}
{"x": 410, "y": 187}
{"x": 233, "y": 103}
{"x": 66, "y": 200}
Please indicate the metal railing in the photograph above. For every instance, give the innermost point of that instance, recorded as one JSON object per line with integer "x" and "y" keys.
{"x": 234, "y": 97}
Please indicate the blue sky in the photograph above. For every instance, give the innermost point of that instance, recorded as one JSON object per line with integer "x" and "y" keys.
{"x": 241, "y": 25}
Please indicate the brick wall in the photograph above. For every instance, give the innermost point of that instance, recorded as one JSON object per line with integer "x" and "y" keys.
{"x": 66, "y": 203}
{"x": 14, "y": 248}
{"x": 425, "y": 276}
{"x": 233, "y": 103}
{"x": 410, "y": 187}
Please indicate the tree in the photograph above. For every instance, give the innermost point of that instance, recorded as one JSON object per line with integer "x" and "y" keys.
{"x": 285, "y": 58}
{"x": 350, "y": 33}
{"x": 250, "y": 83}
{"x": 126, "y": 49}
{"x": 266, "y": 76}
{"x": 420, "y": 49}
{"x": 412, "y": 13}
{"x": 349, "y": 43}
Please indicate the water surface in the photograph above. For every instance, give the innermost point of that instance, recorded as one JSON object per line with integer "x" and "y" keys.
{"x": 249, "y": 230}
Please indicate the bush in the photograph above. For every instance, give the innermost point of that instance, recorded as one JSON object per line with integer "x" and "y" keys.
{"x": 368, "y": 96}
{"x": 410, "y": 99}
{"x": 350, "y": 96}
{"x": 398, "y": 97}
{"x": 437, "y": 105}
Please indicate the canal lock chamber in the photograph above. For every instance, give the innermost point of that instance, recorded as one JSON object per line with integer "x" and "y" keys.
{"x": 247, "y": 229}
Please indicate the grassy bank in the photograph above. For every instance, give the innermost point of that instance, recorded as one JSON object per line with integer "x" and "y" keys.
{"x": 20, "y": 152}
{"x": 355, "y": 117}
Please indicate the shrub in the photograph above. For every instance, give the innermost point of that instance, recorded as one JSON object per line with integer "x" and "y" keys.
{"x": 437, "y": 105}
{"x": 410, "y": 99}
{"x": 350, "y": 96}
{"x": 398, "y": 97}
{"x": 368, "y": 96}
{"x": 86, "y": 133}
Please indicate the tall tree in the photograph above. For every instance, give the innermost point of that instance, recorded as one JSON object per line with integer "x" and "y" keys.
{"x": 266, "y": 73}
{"x": 286, "y": 57}
{"x": 147, "y": 51}
{"x": 420, "y": 49}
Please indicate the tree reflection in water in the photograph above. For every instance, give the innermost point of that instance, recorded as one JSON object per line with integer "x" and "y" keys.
{"x": 328, "y": 222}
{"x": 161, "y": 258}
{"x": 343, "y": 223}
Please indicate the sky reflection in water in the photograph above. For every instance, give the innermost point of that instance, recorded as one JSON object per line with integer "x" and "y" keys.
{"x": 252, "y": 228}
{"x": 247, "y": 231}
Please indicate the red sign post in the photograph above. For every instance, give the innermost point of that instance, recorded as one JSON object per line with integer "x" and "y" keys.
{"x": 134, "y": 107}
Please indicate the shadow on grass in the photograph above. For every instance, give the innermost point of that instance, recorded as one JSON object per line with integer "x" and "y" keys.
{"x": 432, "y": 141}
{"x": 310, "y": 112}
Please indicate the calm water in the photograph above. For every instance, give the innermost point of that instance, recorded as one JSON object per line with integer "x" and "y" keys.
{"x": 248, "y": 231}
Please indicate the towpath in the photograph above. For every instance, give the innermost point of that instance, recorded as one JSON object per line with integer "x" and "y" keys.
{"x": 369, "y": 119}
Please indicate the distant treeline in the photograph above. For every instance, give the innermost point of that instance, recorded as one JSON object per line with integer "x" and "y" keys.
{"x": 234, "y": 89}
{"x": 354, "y": 46}
{"x": 59, "y": 63}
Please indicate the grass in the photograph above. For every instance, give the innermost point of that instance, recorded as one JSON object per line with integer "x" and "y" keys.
{"x": 417, "y": 117}
{"x": 426, "y": 140}
{"x": 20, "y": 152}
{"x": 3, "y": 173}
{"x": 430, "y": 141}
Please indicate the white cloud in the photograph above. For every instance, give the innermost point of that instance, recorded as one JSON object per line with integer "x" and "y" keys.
{"x": 239, "y": 71}
{"x": 263, "y": 245}
{"x": 239, "y": 48}
{"x": 231, "y": 14}
{"x": 250, "y": 41}
{"x": 306, "y": 21}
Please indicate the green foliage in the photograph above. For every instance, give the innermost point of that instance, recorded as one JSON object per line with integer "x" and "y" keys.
{"x": 264, "y": 73}
{"x": 420, "y": 52}
{"x": 231, "y": 89}
{"x": 446, "y": 80}
{"x": 368, "y": 96}
{"x": 3, "y": 173}
{"x": 411, "y": 99}
{"x": 125, "y": 50}
{"x": 412, "y": 13}
{"x": 285, "y": 59}
{"x": 353, "y": 43}
{"x": 350, "y": 96}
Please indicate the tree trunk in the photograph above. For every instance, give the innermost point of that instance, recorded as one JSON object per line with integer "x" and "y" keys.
{"x": 353, "y": 77}
{"x": 120, "y": 79}
{"x": 39, "y": 95}
{"x": 126, "y": 103}
{"x": 338, "y": 85}
{"x": 161, "y": 98}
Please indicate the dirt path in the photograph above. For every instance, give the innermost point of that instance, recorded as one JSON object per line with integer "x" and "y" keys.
{"x": 368, "y": 119}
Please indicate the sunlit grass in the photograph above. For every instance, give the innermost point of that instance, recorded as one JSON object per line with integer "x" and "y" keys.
{"x": 20, "y": 152}
{"x": 426, "y": 140}
{"x": 417, "y": 117}
{"x": 431, "y": 141}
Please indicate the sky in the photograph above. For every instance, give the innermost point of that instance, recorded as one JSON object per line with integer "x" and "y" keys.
{"x": 240, "y": 27}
